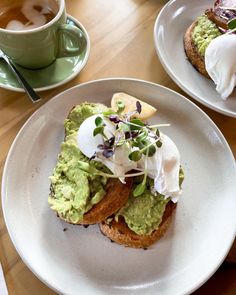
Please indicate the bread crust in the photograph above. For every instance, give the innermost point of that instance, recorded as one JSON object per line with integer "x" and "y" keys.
{"x": 117, "y": 195}
{"x": 120, "y": 233}
{"x": 192, "y": 53}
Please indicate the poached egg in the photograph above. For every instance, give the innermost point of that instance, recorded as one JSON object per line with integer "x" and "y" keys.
{"x": 163, "y": 166}
{"x": 220, "y": 62}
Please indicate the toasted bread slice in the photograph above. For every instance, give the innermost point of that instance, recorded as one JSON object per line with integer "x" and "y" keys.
{"x": 192, "y": 53}
{"x": 121, "y": 234}
{"x": 117, "y": 195}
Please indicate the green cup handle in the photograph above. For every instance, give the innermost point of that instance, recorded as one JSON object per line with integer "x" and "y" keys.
{"x": 71, "y": 42}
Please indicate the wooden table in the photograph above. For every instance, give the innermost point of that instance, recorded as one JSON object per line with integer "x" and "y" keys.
{"x": 121, "y": 33}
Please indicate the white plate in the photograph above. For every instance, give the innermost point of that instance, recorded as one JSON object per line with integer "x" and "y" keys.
{"x": 83, "y": 261}
{"x": 169, "y": 29}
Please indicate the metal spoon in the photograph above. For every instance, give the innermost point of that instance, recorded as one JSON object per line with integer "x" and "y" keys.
{"x": 28, "y": 89}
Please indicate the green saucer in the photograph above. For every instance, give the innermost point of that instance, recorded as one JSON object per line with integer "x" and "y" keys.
{"x": 56, "y": 74}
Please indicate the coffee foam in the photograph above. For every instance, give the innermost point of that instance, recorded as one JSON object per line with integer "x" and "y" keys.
{"x": 35, "y": 18}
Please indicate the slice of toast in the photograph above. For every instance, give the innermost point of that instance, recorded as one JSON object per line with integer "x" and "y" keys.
{"x": 192, "y": 53}
{"x": 117, "y": 195}
{"x": 120, "y": 233}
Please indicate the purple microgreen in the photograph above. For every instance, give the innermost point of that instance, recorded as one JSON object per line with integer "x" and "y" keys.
{"x": 115, "y": 119}
{"x": 131, "y": 134}
{"x": 138, "y": 107}
{"x": 107, "y": 153}
{"x": 135, "y": 156}
{"x": 128, "y": 135}
{"x": 111, "y": 141}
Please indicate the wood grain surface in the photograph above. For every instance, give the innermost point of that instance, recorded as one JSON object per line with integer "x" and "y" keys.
{"x": 121, "y": 33}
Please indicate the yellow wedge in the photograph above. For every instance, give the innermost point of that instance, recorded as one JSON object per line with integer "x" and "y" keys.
{"x": 130, "y": 105}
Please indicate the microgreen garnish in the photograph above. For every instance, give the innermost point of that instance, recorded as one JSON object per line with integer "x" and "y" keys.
{"x": 99, "y": 127}
{"x": 136, "y": 124}
{"x": 140, "y": 188}
{"x": 99, "y": 121}
{"x": 232, "y": 24}
{"x": 98, "y": 130}
{"x": 114, "y": 118}
{"x": 158, "y": 143}
{"x": 135, "y": 156}
{"x": 120, "y": 106}
{"x": 88, "y": 168}
{"x": 141, "y": 139}
{"x": 107, "y": 147}
{"x": 108, "y": 113}
{"x": 138, "y": 107}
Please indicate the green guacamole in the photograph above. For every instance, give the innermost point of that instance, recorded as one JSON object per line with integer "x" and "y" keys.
{"x": 74, "y": 192}
{"x": 144, "y": 213}
{"x": 203, "y": 33}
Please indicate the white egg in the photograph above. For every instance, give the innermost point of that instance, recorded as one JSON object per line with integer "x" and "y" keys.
{"x": 87, "y": 143}
{"x": 163, "y": 167}
{"x": 220, "y": 62}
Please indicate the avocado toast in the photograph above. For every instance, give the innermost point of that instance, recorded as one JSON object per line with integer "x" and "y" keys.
{"x": 76, "y": 196}
{"x": 196, "y": 39}
{"x": 142, "y": 220}
{"x": 107, "y": 172}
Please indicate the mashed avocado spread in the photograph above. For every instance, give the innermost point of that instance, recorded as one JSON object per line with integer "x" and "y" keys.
{"x": 144, "y": 213}
{"x": 203, "y": 33}
{"x": 74, "y": 192}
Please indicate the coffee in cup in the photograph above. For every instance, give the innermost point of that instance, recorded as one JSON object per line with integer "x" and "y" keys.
{"x": 33, "y": 33}
{"x": 27, "y": 14}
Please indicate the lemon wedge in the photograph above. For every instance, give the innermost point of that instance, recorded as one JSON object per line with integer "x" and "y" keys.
{"x": 130, "y": 105}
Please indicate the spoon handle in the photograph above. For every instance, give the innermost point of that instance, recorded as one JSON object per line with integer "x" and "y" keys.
{"x": 28, "y": 89}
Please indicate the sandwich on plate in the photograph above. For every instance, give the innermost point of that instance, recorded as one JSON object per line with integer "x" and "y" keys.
{"x": 117, "y": 170}
{"x": 210, "y": 45}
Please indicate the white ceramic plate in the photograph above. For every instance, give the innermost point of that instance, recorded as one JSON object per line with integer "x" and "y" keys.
{"x": 83, "y": 261}
{"x": 169, "y": 29}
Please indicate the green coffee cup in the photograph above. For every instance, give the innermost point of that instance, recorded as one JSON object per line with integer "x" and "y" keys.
{"x": 39, "y": 47}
